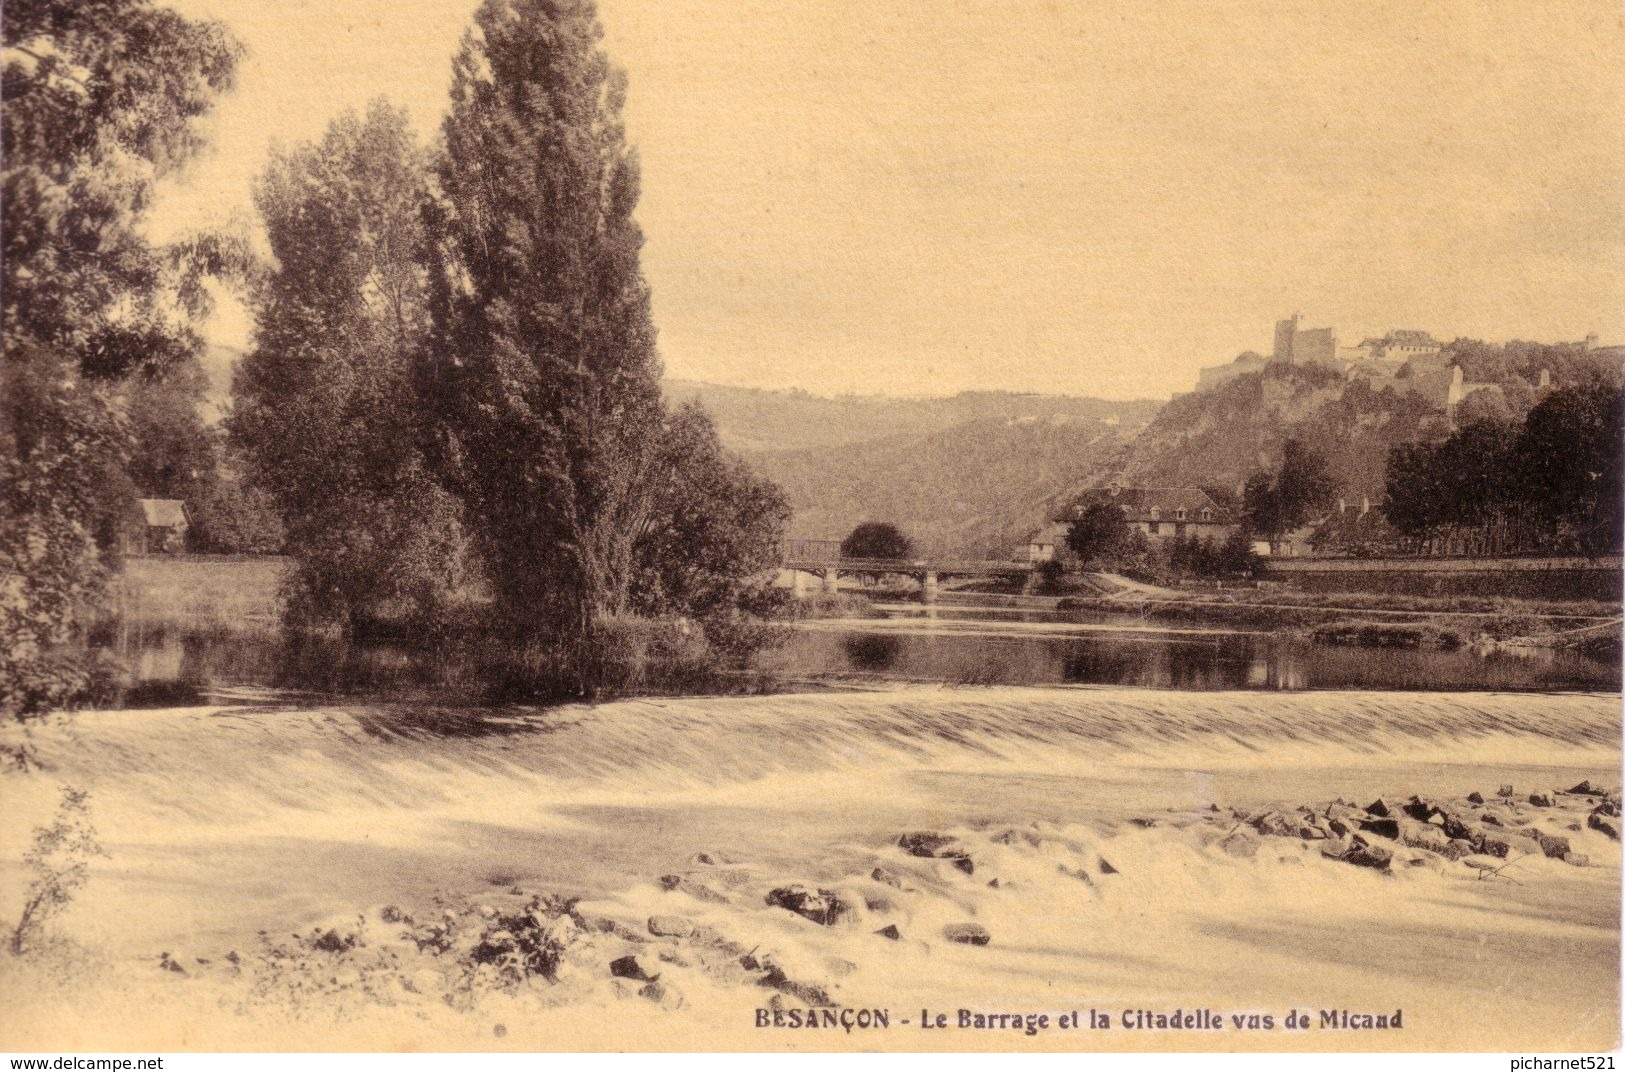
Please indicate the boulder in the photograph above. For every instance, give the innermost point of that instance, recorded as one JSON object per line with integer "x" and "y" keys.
{"x": 1423, "y": 810}
{"x": 633, "y": 966}
{"x": 710, "y": 859}
{"x": 1311, "y": 833}
{"x": 1338, "y": 847}
{"x": 967, "y": 933}
{"x": 1457, "y": 848}
{"x": 810, "y": 994}
{"x": 1506, "y": 791}
{"x": 1240, "y": 844}
{"x": 1475, "y": 797}
{"x": 1386, "y": 827}
{"x": 1274, "y": 824}
{"x": 925, "y": 843}
{"x": 1541, "y": 799}
{"x": 670, "y": 926}
{"x": 1337, "y": 809}
{"x": 1343, "y": 827}
{"x": 1506, "y": 846}
{"x": 1577, "y": 859}
{"x": 823, "y": 907}
{"x": 1380, "y": 808}
{"x": 890, "y": 932}
{"x": 1586, "y": 789}
{"x": 697, "y": 890}
{"x": 1606, "y": 825}
{"x": 663, "y": 994}
{"x": 1106, "y": 867}
{"x": 886, "y": 878}
{"x": 880, "y": 904}
{"x": 1609, "y": 808}
{"x": 1553, "y": 845}
{"x": 937, "y": 847}
{"x": 1373, "y": 856}
{"x": 1422, "y": 835}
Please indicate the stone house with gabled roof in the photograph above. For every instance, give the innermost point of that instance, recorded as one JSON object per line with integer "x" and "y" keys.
{"x": 1159, "y": 513}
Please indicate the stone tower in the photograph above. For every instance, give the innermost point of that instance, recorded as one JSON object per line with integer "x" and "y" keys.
{"x": 1285, "y": 330}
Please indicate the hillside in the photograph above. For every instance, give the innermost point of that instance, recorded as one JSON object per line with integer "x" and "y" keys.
{"x": 754, "y": 421}
{"x": 962, "y": 475}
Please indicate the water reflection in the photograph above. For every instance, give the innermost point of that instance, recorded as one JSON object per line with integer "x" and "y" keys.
{"x": 871, "y": 651}
{"x": 1212, "y": 661}
{"x": 172, "y": 666}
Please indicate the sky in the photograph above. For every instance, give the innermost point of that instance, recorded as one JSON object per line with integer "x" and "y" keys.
{"x": 920, "y": 197}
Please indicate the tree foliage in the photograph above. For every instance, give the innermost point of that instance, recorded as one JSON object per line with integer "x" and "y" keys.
{"x": 542, "y": 370}
{"x": 1276, "y": 503}
{"x": 1101, "y": 535}
{"x": 326, "y": 412}
{"x": 102, "y": 98}
{"x": 709, "y": 548}
{"x": 877, "y": 539}
{"x": 1551, "y": 483}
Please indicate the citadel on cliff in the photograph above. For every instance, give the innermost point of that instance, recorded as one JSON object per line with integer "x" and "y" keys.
{"x": 1409, "y": 361}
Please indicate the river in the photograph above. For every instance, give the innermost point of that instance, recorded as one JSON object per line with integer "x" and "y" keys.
{"x": 171, "y": 664}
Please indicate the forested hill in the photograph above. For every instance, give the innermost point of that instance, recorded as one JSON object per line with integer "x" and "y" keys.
{"x": 961, "y": 475}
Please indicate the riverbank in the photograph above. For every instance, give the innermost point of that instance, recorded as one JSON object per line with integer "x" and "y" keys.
{"x": 1445, "y": 621}
{"x": 222, "y": 823}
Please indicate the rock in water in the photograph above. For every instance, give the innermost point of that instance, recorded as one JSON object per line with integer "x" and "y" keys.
{"x": 1554, "y": 846}
{"x": 925, "y": 843}
{"x": 1475, "y": 797}
{"x": 891, "y": 932}
{"x": 824, "y": 907}
{"x": 1386, "y": 827}
{"x": 1541, "y": 799}
{"x": 1606, "y": 825}
{"x": 670, "y": 926}
{"x": 632, "y": 966}
{"x": 967, "y": 933}
{"x": 663, "y": 994}
{"x": 937, "y": 847}
{"x": 1240, "y": 844}
{"x": 1373, "y": 856}
{"x": 886, "y": 878}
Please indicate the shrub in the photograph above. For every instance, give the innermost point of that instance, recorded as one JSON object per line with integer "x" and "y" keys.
{"x": 60, "y": 861}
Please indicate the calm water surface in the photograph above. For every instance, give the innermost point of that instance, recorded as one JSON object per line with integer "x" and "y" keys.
{"x": 170, "y": 665}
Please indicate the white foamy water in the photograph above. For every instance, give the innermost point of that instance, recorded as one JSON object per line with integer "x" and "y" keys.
{"x": 221, "y": 822}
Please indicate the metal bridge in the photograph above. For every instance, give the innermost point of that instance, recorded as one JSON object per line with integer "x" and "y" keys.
{"x": 823, "y": 559}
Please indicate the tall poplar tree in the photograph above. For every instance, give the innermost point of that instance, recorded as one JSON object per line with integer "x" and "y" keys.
{"x": 543, "y": 368}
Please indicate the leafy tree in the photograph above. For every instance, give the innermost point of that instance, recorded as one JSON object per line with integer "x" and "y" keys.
{"x": 1274, "y": 504}
{"x": 326, "y": 412}
{"x": 1569, "y": 462}
{"x": 709, "y": 547}
{"x": 102, "y": 98}
{"x": 877, "y": 539}
{"x": 1100, "y": 535}
{"x": 542, "y": 371}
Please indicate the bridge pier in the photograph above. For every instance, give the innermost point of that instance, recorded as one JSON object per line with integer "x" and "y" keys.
{"x": 832, "y": 579}
{"x": 928, "y": 587}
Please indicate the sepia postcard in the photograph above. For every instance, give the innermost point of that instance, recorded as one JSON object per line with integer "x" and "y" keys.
{"x": 806, "y": 525}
